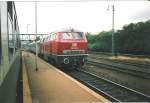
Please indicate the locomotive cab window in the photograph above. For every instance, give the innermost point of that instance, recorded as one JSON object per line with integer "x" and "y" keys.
{"x": 78, "y": 35}
{"x": 67, "y": 36}
{"x": 72, "y": 35}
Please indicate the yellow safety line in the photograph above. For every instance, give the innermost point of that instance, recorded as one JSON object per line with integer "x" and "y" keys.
{"x": 26, "y": 89}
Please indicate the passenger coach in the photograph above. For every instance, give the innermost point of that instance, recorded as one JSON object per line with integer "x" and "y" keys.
{"x": 10, "y": 54}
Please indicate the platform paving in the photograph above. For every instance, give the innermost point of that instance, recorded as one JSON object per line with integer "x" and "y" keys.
{"x": 49, "y": 85}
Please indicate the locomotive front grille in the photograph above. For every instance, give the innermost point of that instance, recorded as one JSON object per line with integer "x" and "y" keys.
{"x": 68, "y": 52}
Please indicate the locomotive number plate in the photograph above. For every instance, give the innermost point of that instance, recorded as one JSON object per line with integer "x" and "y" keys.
{"x": 74, "y": 46}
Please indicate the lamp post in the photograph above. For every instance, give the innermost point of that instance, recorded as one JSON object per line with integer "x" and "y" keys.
{"x": 27, "y": 30}
{"x": 36, "y": 68}
{"x": 113, "y": 38}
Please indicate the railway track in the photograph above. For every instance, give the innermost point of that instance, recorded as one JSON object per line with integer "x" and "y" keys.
{"x": 127, "y": 62}
{"x": 119, "y": 54}
{"x": 141, "y": 72}
{"x": 111, "y": 90}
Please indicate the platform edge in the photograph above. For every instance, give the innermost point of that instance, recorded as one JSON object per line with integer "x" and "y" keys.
{"x": 103, "y": 99}
{"x": 26, "y": 89}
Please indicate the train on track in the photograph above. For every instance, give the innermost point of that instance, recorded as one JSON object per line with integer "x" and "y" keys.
{"x": 10, "y": 55}
{"x": 67, "y": 47}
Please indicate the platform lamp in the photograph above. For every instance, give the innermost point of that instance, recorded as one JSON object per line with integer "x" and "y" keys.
{"x": 113, "y": 38}
{"x": 28, "y": 29}
{"x": 36, "y": 67}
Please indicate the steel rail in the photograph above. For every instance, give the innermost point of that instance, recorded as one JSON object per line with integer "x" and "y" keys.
{"x": 109, "y": 92}
{"x": 118, "y": 84}
{"x": 129, "y": 62}
{"x": 133, "y": 71}
{"x": 120, "y": 54}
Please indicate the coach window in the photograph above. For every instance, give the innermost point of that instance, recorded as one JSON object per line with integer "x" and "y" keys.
{"x": 10, "y": 29}
{"x": 10, "y": 32}
{"x": 10, "y": 10}
{"x": 0, "y": 49}
{"x": 15, "y": 35}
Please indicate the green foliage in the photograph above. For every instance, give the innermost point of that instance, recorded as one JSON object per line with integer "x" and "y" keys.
{"x": 133, "y": 38}
{"x": 99, "y": 42}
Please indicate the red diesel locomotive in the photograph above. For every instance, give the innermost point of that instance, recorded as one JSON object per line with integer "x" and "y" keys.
{"x": 65, "y": 48}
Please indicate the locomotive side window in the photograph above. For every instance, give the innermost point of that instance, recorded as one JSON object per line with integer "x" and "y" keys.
{"x": 49, "y": 37}
{"x": 78, "y": 35}
{"x": 67, "y": 36}
{"x": 43, "y": 39}
{"x": 53, "y": 36}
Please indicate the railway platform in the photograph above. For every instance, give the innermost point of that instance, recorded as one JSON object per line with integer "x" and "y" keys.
{"x": 50, "y": 85}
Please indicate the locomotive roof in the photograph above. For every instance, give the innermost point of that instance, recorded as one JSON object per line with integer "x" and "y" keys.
{"x": 68, "y": 30}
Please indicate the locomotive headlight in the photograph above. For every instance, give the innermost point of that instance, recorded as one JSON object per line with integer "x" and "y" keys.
{"x": 66, "y": 61}
{"x": 82, "y": 51}
{"x": 84, "y": 59}
{"x": 64, "y": 52}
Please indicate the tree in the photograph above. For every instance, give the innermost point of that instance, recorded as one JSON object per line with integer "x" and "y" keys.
{"x": 133, "y": 38}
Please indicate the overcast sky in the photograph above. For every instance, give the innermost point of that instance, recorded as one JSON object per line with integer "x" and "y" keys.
{"x": 86, "y": 16}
